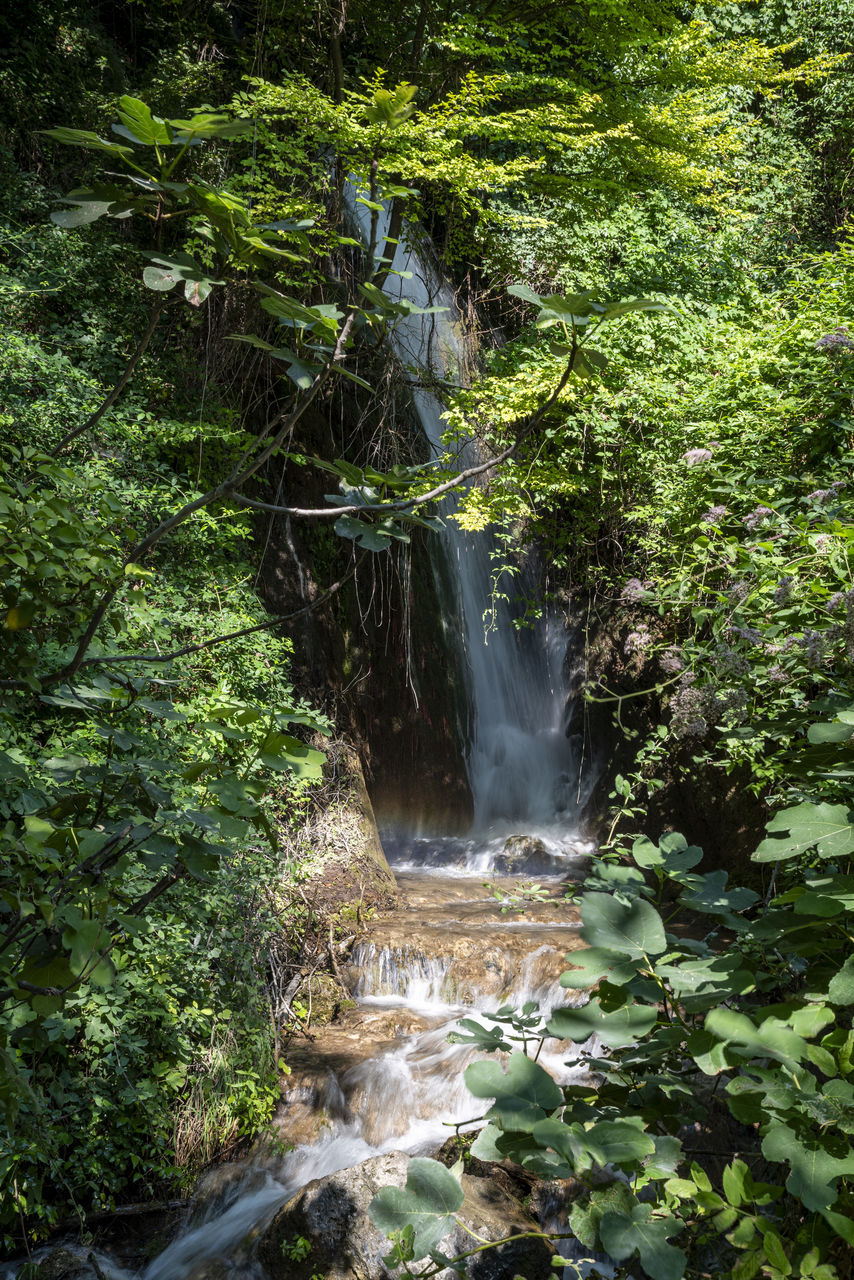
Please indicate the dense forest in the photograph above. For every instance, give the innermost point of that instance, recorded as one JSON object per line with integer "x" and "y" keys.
{"x": 218, "y": 508}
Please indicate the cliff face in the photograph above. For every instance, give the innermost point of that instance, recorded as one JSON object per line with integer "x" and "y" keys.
{"x": 378, "y": 655}
{"x": 711, "y": 808}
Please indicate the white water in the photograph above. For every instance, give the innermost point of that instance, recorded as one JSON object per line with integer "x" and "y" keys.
{"x": 407, "y": 1099}
{"x": 523, "y": 771}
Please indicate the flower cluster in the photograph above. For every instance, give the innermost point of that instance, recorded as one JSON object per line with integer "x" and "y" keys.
{"x": 689, "y": 709}
{"x": 838, "y": 340}
{"x": 849, "y": 626}
{"x": 695, "y": 456}
{"x": 746, "y": 633}
{"x": 757, "y": 517}
{"x": 637, "y": 641}
{"x": 671, "y": 662}
{"x": 714, "y": 515}
{"x": 813, "y": 644}
{"x": 824, "y": 495}
{"x": 730, "y": 662}
{"x": 634, "y": 591}
{"x": 783, "y": 594}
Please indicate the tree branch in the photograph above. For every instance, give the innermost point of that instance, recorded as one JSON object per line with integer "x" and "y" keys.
{"x": 409, "y": 504}
{"x": 232, "y": 635}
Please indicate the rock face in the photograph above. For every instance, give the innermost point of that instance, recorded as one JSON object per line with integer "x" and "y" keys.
{"x": 354, "y": 875}
{"x": 332, "y": 1215}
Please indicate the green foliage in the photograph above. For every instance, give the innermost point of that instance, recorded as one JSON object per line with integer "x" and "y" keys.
{"x": 427, "y": 1205}
{"x": 674, "y": 1001}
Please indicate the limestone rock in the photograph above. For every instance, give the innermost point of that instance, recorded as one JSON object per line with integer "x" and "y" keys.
{"x": 332, "y": 1213}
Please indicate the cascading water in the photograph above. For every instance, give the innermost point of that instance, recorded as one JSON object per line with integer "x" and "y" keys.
{"x": 524, "y": 772}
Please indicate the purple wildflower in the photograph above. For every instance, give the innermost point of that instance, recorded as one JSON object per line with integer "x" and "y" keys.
{"x": 729, "y": 662}
{"x": 714, "y": 515}
{"x": 783, "y": 594}
{"x": 823, "y": 544}
{"x": 746, "y": 633}
{"x": 777, "y": 674}
{"x": 688, "y": 709}
{"x": 637, "y": 641}
{"x": 695, "y": 456}
{"x": 634, "y": 591}
{"x": 849, "y": 625}
{"x": 812, "y": 642}
{"x": 671, "y": 663}
{"x": 757, "y": 517}
{"x": 835, "y": 600}
{"x": 739, "y": 591}
{"x": 838, "y": 340}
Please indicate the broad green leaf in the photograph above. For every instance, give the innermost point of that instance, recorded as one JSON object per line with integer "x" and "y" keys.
{"x": 616, "y": 1028}
{"x": 634, "y": 929}
{"x": 593, "y": 963}
{"x": 522, "y": 1093}
{"x": 841, "y": 988}
{"x": 209, "y": 124}
{"x": 827, "y": 827}
{"x": 825, "y": 896}
{"x": 84, "y": 942}
{"x": 525, "y": 293}
{"x": 773, "y": 1038}
{"x": 427, "y": 1203}
{"x": 622, "y": 1235}
{"x": 816, "y": 1163}
{"x": 615, "y": 309}
{"x": 487, "y": 1038}
{"x": 586, "y": 1214}
{"x": 140, "y": 124}
{"x": 84, "y": 138}
{"x": 620, "y": 1142}
{"x": 713, "y": 898}
{"x": 81, "y": 213}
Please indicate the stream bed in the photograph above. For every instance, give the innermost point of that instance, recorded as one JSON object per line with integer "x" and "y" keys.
{"x": 384, "y": 1076}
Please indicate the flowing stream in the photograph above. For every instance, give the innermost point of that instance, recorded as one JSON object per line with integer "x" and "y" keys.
{"x": 385, "y": 1077}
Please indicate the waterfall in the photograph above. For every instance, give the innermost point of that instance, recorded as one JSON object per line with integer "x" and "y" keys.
{"x": 523, "y": 770}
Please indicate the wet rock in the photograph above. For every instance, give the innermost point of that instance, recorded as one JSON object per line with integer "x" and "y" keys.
{"x": 64, "y": 1261}
{"x": 220, "y": 1187}
{"x": 332, "y": 1215}
{"x": 524, "y": 855}
{"x": 353, "y": 876}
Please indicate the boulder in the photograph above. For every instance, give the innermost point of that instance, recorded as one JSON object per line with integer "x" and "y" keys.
{"x": 523, "y": 855}
{"x": 64, "y": 1261}
{"x": 331, "y": 1216}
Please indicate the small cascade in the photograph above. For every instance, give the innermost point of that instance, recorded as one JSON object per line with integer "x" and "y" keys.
{"x": 385, "y": 1077}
